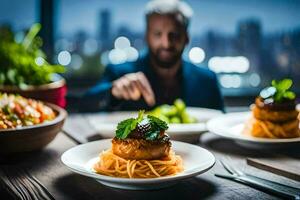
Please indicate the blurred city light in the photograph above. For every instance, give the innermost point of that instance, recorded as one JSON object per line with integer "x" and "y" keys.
{"x": 76, "y": 61}
{"x": 122, "y": 52}
{"x": 254, "y": 80}
{"x": 39, "y": 61}
{"x": 231, "y": 81}
{"x": 64, "y": 58}
{"x": 282, "y": 60}
{"x": 196, "y": 55}
{"x": 131, "y": 54}
{"x": 90, "y": 47}
{"x": 239, "y": 64}
{"x": 117, "y": 56}
{"x": 122, "y": 42}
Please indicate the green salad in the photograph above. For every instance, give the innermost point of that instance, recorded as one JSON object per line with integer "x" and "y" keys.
{"x": 175, "y": 113}
{"x": 24, "y": 63}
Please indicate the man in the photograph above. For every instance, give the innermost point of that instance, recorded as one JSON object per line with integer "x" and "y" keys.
{"x": 161, "y": 76}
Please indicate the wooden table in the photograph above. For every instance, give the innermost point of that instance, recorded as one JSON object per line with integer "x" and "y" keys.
{"x": 64, "y": 184}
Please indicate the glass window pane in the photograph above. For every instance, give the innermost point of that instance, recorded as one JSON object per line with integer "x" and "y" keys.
{"x": 248, "y": 43}
{"x": 20, "y": 15}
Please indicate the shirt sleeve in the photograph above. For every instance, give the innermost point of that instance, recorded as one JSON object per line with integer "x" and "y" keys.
{"x": 99, "y": 97}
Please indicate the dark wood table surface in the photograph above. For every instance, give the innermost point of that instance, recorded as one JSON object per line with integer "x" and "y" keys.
{"x": 63, "y": 184}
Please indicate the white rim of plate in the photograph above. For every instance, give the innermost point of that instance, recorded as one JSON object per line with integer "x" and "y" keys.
{"x": 175, "y": 129}
{"x": 216, "y": 126}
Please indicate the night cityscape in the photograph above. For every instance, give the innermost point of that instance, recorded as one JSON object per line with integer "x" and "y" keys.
{"x": 241, "y": 54}
{"x": 271, "y": 55}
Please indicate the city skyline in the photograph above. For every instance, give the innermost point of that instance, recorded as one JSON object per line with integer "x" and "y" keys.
{"x": 208, "y": 15}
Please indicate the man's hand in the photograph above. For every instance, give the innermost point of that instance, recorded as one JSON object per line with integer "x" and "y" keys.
{"x": 132, "y": 86}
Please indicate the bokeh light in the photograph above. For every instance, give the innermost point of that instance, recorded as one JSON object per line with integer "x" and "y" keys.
{"x": 238, "y": 64}
{"x": 122, "y": 42}
{"x": 76, "y": 61}
{"x": 39, "y": 61}
{"x": 117, "y": 56}
{"x": 64, "y": 58}
{"x": 196, "y": 55}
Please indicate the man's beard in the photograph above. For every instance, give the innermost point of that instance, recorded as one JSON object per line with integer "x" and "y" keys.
{"x": 165, "y": 63}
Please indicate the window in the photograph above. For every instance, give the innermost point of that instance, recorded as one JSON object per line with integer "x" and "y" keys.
{"x": 18, "y": 15}
{"x": 247, "y": 43}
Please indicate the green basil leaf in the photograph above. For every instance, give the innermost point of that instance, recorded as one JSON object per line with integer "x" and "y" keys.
{"x": 124, "y": 128}
{"x": 289, "y": 95}
{"x": 156, "y": 122}
{"x": 284, "y": 84}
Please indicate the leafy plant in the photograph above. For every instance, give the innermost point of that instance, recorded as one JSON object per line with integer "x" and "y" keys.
{"x": 279, "y": 91}
{"x": 24, "y": 63}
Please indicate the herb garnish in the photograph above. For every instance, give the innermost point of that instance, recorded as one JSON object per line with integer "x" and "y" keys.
{"x": 125, "y": 127}
{"x": 157, "y": 123}
{"x": 279, "y": 91}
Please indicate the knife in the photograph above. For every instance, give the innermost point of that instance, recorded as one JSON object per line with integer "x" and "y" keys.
{"x": 285, "y": 192}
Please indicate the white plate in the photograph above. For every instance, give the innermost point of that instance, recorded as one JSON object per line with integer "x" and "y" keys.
{"x": 231, "y": 126}
{"x": 106, "y": 123}
{"x": 81, "y": 158}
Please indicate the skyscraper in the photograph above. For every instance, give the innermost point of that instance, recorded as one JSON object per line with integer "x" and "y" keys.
{"x": 249, "y": 42}
{"x": 105, "y": 29}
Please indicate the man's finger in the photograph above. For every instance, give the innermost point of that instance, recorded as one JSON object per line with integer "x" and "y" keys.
{"x": 116, "y": 90}
{"x": 124, "y": 88}
{"x": 132, "y": 88}
{"x": 146, "y": 89}
{"x": 136, "y": 93}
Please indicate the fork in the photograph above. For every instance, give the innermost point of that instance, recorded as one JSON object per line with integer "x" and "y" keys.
{"x": 260, "y": 183}
{"x": 237, "y": 172}
{"x": 22, "y": 185}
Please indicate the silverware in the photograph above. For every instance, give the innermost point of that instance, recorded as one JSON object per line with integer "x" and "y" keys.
{"x": 260, "y": 183}
{"x": 22, "y": 185}
{"x": 237, "y": 172}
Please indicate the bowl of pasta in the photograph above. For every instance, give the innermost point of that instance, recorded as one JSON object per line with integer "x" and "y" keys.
{"x": 26, "y": 124}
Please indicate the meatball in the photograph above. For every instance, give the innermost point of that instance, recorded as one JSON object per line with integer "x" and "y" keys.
{"x": 141, "y": 149}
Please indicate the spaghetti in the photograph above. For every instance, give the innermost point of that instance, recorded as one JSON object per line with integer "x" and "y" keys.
{"x": 274, "y": 114}
{"x": 268, "y": 129}
{"x": 116, "y": 166}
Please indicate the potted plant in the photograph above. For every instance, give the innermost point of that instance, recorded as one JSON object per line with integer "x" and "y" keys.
{"x": 24, "y": 69}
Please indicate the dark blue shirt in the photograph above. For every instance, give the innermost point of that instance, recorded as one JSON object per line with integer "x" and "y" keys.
{"x": 198, "y": 87}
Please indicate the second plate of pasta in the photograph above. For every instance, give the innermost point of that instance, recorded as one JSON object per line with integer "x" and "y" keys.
{"x": 232, "y": 125}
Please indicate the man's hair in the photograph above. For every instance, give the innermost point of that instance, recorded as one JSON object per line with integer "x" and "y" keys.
{"x": 179, "y": 9}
